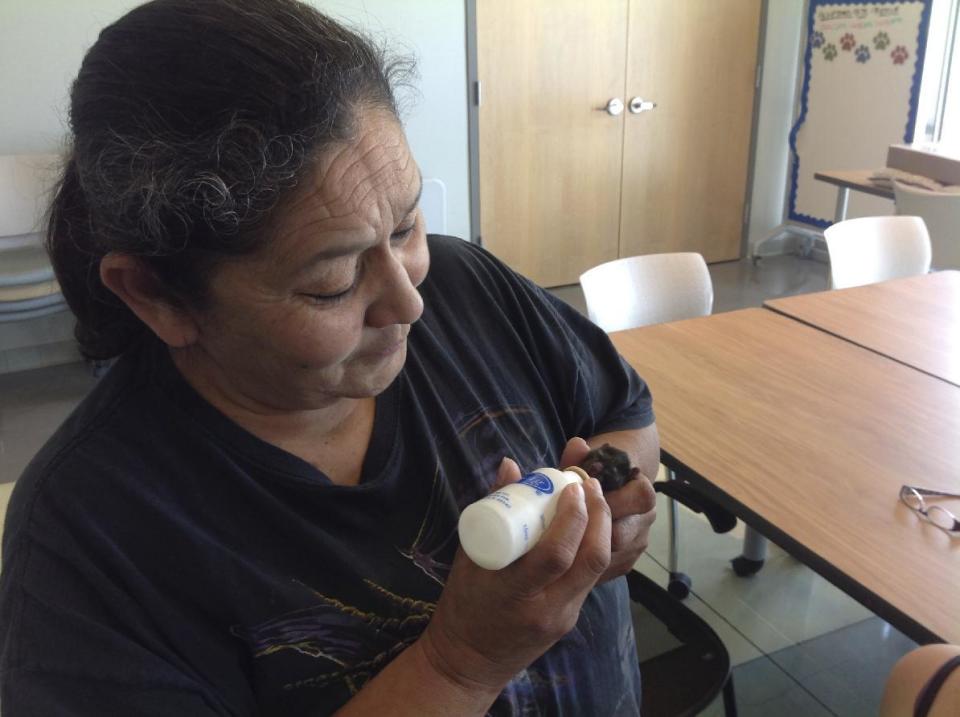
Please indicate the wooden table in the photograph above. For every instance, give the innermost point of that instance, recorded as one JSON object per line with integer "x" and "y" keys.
{"x": 915, "y": 321}
{"x": 847, "y": 179}
{"x": 808, "y": 438}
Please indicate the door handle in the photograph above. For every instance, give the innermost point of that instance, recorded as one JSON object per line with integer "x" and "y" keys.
{"x": 613, "y": 107}
{"x": 638, "y": 105}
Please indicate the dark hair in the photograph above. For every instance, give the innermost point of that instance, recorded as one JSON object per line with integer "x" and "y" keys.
{"x": 191, "y": 121}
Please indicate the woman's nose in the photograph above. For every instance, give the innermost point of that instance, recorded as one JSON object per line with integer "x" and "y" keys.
{"x": 398, "y": 301}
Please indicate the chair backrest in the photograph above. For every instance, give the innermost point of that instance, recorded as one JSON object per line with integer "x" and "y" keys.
{"x": 699, "y": 655}
{"x": 433, "y": 203}
{"x": 649, "y": 289}
{"x": 940, "y": 211}
{"x": 27, "y": 287}
{"x": 5, "y": 490}
{"x": 26, "y": 181}
{"x": 873, "y": 249}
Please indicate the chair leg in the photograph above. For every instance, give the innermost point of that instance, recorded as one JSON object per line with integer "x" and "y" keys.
{"x": 729, "y": 698}
{"x": 679, "y": 585}
{"x": 753, "y": 556}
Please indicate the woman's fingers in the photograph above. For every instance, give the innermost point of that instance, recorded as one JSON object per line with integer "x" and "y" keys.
{"x": 508, "y": 472}
{"x": 540, "y": 595}
{"x": 629, "y": 539}
{"x": 626, "y": 532}
{"x": 635, "y": 498}
{"x": 574, "y": 452}
{"x": 556, "y": 551}
{"x": 593, "y": 555}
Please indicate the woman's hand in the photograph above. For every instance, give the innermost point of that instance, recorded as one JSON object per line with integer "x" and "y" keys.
{"x": 633, "y": 508}
{"x": 490, "y": 625}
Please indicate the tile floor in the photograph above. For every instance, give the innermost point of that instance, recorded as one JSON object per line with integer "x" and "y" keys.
{"x": 799, "y": 646}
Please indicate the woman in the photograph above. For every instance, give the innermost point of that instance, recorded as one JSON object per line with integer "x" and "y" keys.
{"x": 255, "y": 510}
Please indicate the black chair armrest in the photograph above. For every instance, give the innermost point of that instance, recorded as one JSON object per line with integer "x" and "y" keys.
{"x": 721, "y": 520}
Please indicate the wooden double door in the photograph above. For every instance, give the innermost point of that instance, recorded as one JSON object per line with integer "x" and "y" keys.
{"x": 566, "y": 181}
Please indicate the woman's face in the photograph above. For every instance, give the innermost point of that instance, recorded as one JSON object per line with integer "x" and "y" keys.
{"x": 322, "y": 312}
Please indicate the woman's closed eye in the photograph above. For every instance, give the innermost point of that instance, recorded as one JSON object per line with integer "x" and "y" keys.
{"x": 335, "y": 297}
{"x": 401, "y": 234}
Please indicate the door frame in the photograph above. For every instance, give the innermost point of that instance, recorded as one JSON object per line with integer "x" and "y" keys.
{"x": 473, "y": 120}
{"x": 475, "y": 97}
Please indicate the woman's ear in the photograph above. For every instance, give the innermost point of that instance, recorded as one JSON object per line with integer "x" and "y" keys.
{"x": 137, "y": 287}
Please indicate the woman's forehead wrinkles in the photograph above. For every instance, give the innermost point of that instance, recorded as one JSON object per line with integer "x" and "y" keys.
{"x": 373, "y": 172}
{"x": 375, "y": 192}
{"x": 355, "y": 189}
{"x": 340, "y": 191}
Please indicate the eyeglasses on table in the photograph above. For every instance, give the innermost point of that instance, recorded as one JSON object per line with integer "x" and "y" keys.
{"x": 913, "y": 498}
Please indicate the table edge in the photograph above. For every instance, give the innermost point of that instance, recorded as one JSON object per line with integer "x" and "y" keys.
{"x": 865, "y": 188}
{"x": 793, "y": 317}
{"x": 870, "y": 600}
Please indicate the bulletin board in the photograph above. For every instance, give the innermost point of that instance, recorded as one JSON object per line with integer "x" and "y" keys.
{"x": 862, "y": 68}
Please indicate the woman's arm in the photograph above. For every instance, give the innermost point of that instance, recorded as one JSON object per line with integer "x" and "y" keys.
{"x": 912, "y": 673}
{"x": 490, "y": 625}
{"x": 417, "y": 683}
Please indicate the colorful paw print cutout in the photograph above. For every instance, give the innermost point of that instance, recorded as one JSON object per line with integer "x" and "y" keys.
{"x": 899, "y": 55}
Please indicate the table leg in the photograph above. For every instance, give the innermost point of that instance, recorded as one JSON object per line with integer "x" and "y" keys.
{"x": 753, "y": 556}
{"x": 843, "y": 196}
{"x": 679, "y": 583}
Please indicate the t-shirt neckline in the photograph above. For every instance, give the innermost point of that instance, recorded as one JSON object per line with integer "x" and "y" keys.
{"x": 226, "y": 432}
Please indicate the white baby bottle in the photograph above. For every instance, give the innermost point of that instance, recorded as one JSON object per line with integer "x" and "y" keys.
{"x": 498, "y": 529}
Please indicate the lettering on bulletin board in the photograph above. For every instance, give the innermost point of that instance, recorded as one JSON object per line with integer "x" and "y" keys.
{"x": 862, "y": 68}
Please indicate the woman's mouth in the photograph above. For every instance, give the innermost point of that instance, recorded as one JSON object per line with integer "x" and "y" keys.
{"x": 391, "y": 349}
{"x": 388, "y": 347}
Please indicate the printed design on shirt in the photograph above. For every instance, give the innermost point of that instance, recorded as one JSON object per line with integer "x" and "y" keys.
{"x": 356, "y": 643}
{"x": 352, "y": 644}
{"x": 431, "y": 541}
{"x": 483, "y": 437}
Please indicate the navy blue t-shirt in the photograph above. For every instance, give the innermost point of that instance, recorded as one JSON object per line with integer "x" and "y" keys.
{"x": 161, "y": 560}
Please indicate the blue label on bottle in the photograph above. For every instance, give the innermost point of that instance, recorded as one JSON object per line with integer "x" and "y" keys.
{"x": 539, "y": 482}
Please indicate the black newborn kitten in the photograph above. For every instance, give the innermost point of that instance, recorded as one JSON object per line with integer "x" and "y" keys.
{"x": 610, "y": 466}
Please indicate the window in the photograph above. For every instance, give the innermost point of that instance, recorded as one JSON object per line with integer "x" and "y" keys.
{"x": 938, "y": 111}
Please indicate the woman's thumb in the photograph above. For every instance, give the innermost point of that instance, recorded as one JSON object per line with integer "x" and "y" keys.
{"x": 508, "y": 472}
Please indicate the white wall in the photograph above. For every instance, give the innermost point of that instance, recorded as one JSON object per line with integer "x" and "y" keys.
{"x": 775, "y": 118}
{"x": 42, "y": 43}
{"x": 785, "y": 22}
{"x": 434, "y": 31}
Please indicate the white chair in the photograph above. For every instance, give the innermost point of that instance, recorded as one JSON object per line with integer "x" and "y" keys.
{"x": 940, "y": 211}
{"x": 873, "y": 249}
{"x": 27, "y": 286}
{"x": 433, "y": 203}
{"x": 643, "y": 290}
{"x": 5, "y": 490}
